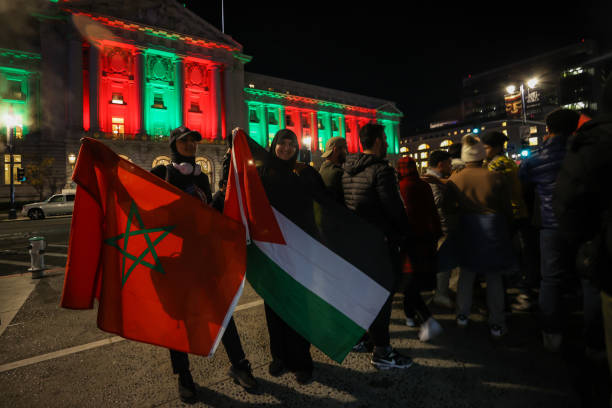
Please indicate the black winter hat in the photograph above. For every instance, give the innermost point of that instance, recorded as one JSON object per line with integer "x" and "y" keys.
{"x": 494, "y": 138}
{"x": 181, "y": 132}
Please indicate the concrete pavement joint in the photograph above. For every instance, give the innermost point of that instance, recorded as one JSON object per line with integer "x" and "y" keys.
{"x": 89, "y": 346}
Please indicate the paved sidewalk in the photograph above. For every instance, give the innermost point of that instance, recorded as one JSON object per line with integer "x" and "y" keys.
{"x": 14, "y": 290}
{"x": 57, "y": 357}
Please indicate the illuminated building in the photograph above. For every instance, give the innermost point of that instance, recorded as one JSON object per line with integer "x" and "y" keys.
{"x": 129, "y": 72}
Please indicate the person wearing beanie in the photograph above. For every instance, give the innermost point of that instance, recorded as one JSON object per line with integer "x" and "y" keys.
{"x": 281, "y": 174}
{"x": 185, "y": 174}
{"x": 484, "y": 246}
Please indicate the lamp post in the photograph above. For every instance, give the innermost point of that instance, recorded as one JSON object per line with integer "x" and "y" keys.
{"x": 71, "y": 161}
{"x": 10, "y": 120}
{"x": 532, "y": 83}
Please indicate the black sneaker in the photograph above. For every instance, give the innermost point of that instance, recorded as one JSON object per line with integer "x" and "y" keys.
{"x": 390, "y": 359}
{"x": 243, "y": 375}
{"x": 187, "y": 388}
{"x": 276, "y": 368}
{"x": 303, "y": 377}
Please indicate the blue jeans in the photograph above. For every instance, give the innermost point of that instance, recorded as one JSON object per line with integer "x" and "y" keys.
{"x": 555, "y": 266}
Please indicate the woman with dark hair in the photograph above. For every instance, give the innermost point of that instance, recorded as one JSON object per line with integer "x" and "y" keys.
{"x": 281, "y": 175}
{"x": 426, "y": 228}
{"x": 185, "y": 174}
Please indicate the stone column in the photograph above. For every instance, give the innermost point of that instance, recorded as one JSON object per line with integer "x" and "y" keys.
{"x": 141, "y": 131}
{"x": 314, "y": 129}
{"x": 265, "y": 118}
{"x": 217, "y": 102}
{"x": 94, "y": 86}
{"x": 179, "y": 87}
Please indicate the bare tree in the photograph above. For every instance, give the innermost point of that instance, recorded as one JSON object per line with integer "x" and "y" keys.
{"x": 38, "y": 173}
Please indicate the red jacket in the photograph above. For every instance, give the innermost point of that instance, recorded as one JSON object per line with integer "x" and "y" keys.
{"x": 422, "y": 214}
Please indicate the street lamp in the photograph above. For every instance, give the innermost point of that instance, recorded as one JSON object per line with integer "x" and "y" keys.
{"x": 72, "y": 160}
{"x": 10, "y": 121}
{"x": 531, "y": 83}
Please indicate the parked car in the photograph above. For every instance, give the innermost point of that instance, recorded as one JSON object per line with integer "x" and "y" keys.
{"x": 57, "y": 204}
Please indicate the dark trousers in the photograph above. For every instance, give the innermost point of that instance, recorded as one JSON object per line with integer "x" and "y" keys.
{"x": 379, "y": 329}
{"x": 414, "y": 305}
{"x": 286, "y": 344}
{"x": 556, "y": 264}
{"x": 230, "y": 340}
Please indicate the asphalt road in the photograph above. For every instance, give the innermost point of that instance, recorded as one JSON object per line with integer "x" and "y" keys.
{"x": 14, "y": 243}
{"x": 53, "y": 357}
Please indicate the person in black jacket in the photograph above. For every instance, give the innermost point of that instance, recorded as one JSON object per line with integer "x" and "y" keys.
{"x": 556, "y": 257}
{"x": 281, "y": 175}
{"x": 371, "y": 190}
{"x": 582, "y": 202}
{"x": 185, "y": 174}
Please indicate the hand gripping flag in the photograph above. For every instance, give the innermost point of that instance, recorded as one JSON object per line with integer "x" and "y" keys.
{"x": 166, "y": 269}
{"x": 322, "y": 269}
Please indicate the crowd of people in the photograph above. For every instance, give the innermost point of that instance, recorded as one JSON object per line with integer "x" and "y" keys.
{"x": 538, "y": 227}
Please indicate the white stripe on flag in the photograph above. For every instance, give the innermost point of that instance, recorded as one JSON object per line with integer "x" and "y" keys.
{"x": 326, "y": 274}
{"x": 228, "y": 316}
{"x": 239, "y": 195}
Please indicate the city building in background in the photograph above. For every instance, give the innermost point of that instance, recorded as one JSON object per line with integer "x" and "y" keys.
{"x": 516, "y": 98}
{"x": 127, "y": 73}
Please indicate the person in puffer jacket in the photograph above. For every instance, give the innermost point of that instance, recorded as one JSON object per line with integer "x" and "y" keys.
{"x": 371, "y": 190}
{"x": 540, "y": 172}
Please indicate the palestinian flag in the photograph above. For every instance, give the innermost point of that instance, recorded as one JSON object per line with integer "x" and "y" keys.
{"x": 165, "y": 268}
{"x": 322, "y": 269}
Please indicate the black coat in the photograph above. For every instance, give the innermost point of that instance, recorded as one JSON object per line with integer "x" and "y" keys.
{"x": 371, "y": 190}
{"x": 582, "y": 199}
{"x": 185, "y": 183}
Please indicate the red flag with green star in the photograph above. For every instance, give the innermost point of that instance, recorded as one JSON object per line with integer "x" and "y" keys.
{"x": 165, "y": 268}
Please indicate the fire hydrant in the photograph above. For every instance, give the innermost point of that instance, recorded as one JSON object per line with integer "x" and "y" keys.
{"x": 37, "y": 256}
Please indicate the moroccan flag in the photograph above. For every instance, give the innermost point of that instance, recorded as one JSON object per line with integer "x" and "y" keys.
{"x": 322, "y": 269}
{"x": 165, "y": 268}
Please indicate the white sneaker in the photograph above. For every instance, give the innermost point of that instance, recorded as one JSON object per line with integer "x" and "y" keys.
{"x": 497, "y": 332}
{"x": 410, "y": 322}
{"x": 552, "y": 341}
{"x": 462, "y": 320}
{"x": 430, "y": 330}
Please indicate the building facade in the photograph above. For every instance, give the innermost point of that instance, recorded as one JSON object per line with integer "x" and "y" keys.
{"x": 127, "y": 73}
{"x": 516, "y": 98}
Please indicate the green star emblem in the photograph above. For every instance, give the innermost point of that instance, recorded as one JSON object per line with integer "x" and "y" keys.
{"x": 138, "y": 260}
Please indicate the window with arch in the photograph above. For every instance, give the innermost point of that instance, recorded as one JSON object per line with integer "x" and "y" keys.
{"x": 446, "y": 143}
{"x": 207, "y": 168}
{"x": 123, "y": 156}
{"x": 161, "y": 160}
{"x": 423, "y": 146}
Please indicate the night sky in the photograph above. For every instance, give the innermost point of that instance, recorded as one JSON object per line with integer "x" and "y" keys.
{"x": 416, "y": 58}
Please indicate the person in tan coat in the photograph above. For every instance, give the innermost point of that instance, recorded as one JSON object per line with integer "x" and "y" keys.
{"x": 485, "y": 246}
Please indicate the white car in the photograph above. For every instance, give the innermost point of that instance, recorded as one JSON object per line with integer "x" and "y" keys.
{"x": 57, "y": 204}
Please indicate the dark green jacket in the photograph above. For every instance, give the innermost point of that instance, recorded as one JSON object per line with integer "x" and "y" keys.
{"x": 332, "y": 178}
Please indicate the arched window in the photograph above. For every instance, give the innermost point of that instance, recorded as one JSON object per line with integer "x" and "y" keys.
{"x": 424, "y": 146}
{"x": 446, "y": 143}
{"x": 207, "y": 168}
{"x": 161, "y": 160}
{"x": 123, "y": 156}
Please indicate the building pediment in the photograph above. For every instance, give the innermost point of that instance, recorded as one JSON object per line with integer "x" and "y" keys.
{"x": 165, "y": 14}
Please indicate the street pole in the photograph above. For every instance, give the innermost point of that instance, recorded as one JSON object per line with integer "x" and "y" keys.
{"x": 524, "y": 106}
{"x": 12, "y": 211}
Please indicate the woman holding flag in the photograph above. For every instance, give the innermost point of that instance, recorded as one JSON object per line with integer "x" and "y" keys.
{"x": 281, "y": 174}
{"x": 185, "y": 174}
